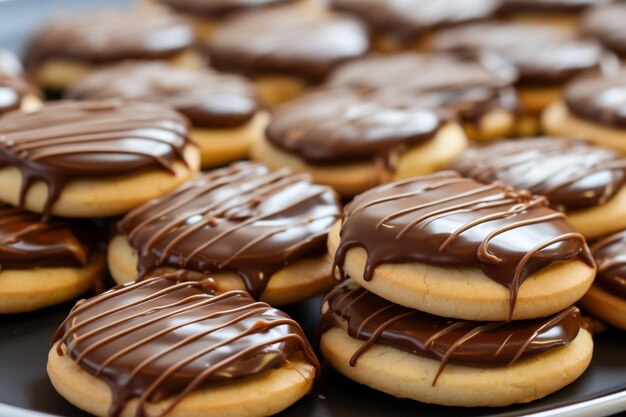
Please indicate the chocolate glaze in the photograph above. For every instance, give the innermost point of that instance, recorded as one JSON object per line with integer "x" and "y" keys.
{"x": 207, "y": 98}
{"x": 548, "y": 6}
{"x": 543, "y": 54}
{"x": 302, "y": 41}
{"x": 161, "y": 338}
{"x": 598, "y": 97}
{"x": 26, "y": 242}
{"x": 367, "y": 317}
{"x": 244, "y": 218}
{"x": 610, "y": 255}
{"x": 13, "y": 87}
{"x": 408, "y": 19}
{"x": 346, "y": 125}
{"x": 108, "y": 35}
{"x": 218, "y": 8}
{"x": 607, "y": 25}
{"x": 446, "y": 220}
{"x": 573, "y": 174}
{"x": 470, "y": 85}
{"x": 70, "y": 139}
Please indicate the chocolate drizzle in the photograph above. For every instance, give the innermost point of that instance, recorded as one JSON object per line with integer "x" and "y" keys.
{"x": 610, "y": 255}
{"x": 572, "y": 174}
{"x": 69, "y": 139}
{"x": 162, "y": 338}
{"x": 244, "y": 219}
{"x": 598, "y": 97}
{"x": 607, "y": 25}
{"x": 446, "y": 220}
{"x": 218, "y": 8}
{"x": 207, "y": 98}
{"x": 367, "y": 317}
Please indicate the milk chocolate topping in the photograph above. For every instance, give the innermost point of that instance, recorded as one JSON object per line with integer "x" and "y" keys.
{"x": 367, "y": 317}
{"x": 607, "y": 25}
{"x": 446, "y": 220}
{"x": 301, "y": 41}
{"x": 469, "y": 85}
{"x": 572, "y": 173}
{"x": 610, "y": 255}
{"x": 244, "y": 218}
{"x": 106, "y": 35}
{"x": 345, "y": 125}
{"x": 160, "y": 338}
{"x": 541, "y": 53}
{"x": 548, "y": 6}
{"x": 13, "y": 87}
{"x": 71, "y": 139}
{"x": 598, "y": 97}
{"x": 26, "y": 242}
{"x": 207, "y": 98}
{"x": 218, "y": 8}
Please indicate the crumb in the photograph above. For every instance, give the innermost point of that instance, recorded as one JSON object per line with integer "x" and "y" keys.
{"x": 321, "y": 397}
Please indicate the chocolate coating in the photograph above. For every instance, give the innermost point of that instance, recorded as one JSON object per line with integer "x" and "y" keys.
{"x": 13, "y": 87}
{"x": 209, "y": 99}
{"x": 542, "y": 54}
{"x": 345, "y": 125}
{"x": 367, "y": 317}
{"x": 218, "y": 8}
{"x": 548, "y": 6}
{"x": 572, "y": 173}
{"x": 160, "y": 338}
{"x": 598, "y": 97}
{"x": 607, "y": 25}
{"x": 610, "y": 255}
{"x": 446, "y": 220}
{"x": 469, "y": 85}
{"x": 26, "y": 242}
{"x": 71, "y": 139}
{"x": 244, "y": 218}
{"x": 109, "y": 35}
{"x": 305, "y": 42}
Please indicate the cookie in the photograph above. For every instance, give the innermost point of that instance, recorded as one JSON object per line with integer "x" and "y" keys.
{"x": 606, "y": 24}
{"x": 166, "y": 348}
{"x": 453, "y": 247}
{"x": 565, "y": 14}
{"x": 405, "y": 24}
{"x": 353, "y": 140}
{"x": 69, "y": 46}
{"x": 478, "y": 88}
{"x": 585, "y": 181}
{"x": 223, "y": 109}
{"x": 44, "y": 264}
{"x": 15, "y": 91}
{"x": 606, "y": 299}
{"x": 411, "y": 354}
{"x": 93, "y": 158}
{"x": 282, "y": 67}
{"x": 245, "y": 226}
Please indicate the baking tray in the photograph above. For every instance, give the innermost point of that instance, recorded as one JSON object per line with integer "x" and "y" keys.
{"x": 25, "y": 390}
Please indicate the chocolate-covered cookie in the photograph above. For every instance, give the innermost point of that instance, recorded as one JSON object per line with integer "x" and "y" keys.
{"x": 93, "y": 158}
{"x": 606, "y": 24}
{"x": 15, "y": 91}
{"x": 223, "y": 108}
{"x": 161, "y": 347}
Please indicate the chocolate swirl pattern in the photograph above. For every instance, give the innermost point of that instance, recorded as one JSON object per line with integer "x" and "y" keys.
{"x": 444, "y": 219}
{"x": 243, "y": 219}
{"x": 599, "y": 97}
{"x": 367, "y": 317}
{"x": 610, "y": 255}
{"x": 68, "y": 139}
{"x": 572, "y": 174}
{"x": 163, "y": 338}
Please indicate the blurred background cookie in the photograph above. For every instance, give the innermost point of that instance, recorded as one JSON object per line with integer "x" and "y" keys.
{"x": 15, "y": 92}
{"x": 565, "y": 14}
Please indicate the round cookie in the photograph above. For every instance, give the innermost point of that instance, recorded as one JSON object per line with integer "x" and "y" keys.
{"x": 453, "y": 247}
{"x": 160, "y": 347}
{"x": 606, "y": 299}
{"x": 410, "y": 354}
{"x": 93, "y": 158}
{"x": 282, "y": 67}
{"x": 44, "y": 264}
{"x": 353, "y": 140}
{"x": 476, "y": 87}
{"x": 245, "y": 226}
{"x": 15, "y": 91}
{"x": 400, "y": 25}
{"x": 606, "y": 24}
{"x": 564, "y": 14}
{"x": 592, "y": 107}
{"x": 69, "y": 46}
{"x": 585, "y": 181}
{"x": 223, "y": 109}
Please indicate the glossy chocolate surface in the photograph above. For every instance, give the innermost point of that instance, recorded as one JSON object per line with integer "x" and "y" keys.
{"x": 244, "y": 219}
{"x": 218, "y": 8}
{"x": 207, "y": 98}
{"x": 370, "y": 318}
{"x": 572, "y": 173}
{"x": 610, "y": 255}
{"x": 160, "y": 338}
{"x": 598, "y": 97}
{"x": 303, "y": 41}
{"x": 446, "y": 220}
